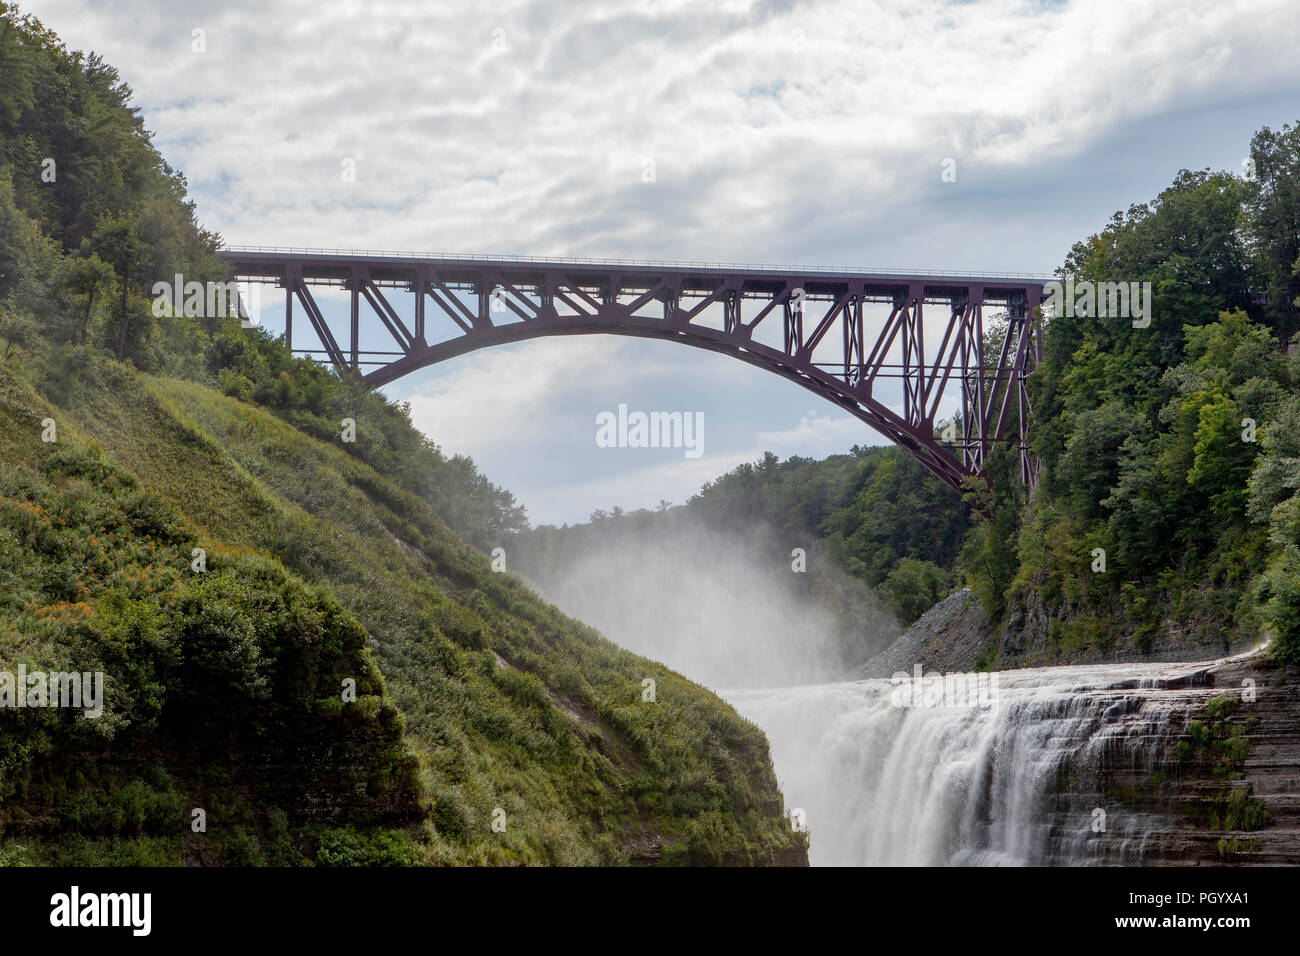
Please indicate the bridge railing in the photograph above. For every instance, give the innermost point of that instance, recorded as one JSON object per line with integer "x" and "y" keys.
{"x": 675, "y": 264}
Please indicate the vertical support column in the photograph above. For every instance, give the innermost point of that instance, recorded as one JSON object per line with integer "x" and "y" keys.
{"x": 672, "y": 302}
{"x": 981, "y": 391}
{"x": 794, "y": 317}
{"x": 853, "y": 346}
{"x": 1022, "y": 409}
{"x": 922, "y": 366}
{"x": 1022, "y": 358}
{"x": 731, "y": 322}
{"x": 963, "y": 356}
{"x": 546, "y": 297}
{"x": 972, "y": 429}
{"x": 484, "y": 303}
{"x": 421, "y": 291}
{"x": 1034, "y": 300}
{"x": 1032, "y": 356}
{"x": 487, "y": 283}
{"x": 1010, "y": 367}
{"x": 288, "y": 307}
{"x": 913, "y": 370}
{"x": 354, "y": 328}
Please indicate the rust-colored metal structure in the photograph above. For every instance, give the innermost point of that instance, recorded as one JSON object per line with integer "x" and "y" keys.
{"x": 826, "y": 343}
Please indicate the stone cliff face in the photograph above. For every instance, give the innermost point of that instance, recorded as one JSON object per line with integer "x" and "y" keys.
{"x": 948, "y": 637}
{"x": 1201, "y": 769}
{"x": 1228, "y": 788}
{"x": 956, "y": 635}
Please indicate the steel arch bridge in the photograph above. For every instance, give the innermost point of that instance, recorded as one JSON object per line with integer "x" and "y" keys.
{"x": 826, "y": 343}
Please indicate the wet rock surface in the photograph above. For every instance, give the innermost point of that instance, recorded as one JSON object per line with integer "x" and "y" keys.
{"x": 1192, "y": 765}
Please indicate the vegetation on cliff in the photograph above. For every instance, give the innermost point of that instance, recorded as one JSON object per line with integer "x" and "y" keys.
{"x": 1172, "y": 448}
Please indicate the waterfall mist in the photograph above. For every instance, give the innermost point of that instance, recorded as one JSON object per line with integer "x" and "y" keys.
{"x": 723, "y": 609}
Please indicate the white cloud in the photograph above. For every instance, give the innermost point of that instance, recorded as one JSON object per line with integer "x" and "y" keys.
{"x": 496, "y": 398}
{"x": 816, "y": 436}
{"x": 643, "y": 487}
{"x": 524, "y": 127}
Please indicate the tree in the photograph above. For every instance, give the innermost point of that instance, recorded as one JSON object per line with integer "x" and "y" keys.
{"x": 1273, "y": 221}
{"x": 15, "y": 329}
{"x": 117, "y": 242}
{"x": 16, "y": 66}
{"x": 87, "y": 280}
{"x": 1276, "y": 477}
{"x": 1221, "y": 460}
{"x": 913, "y": 587}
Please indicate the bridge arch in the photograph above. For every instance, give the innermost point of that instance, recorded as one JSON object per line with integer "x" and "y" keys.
{"x": 827, "y": 345}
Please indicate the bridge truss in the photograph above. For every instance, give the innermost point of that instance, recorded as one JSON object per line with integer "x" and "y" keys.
{"x": 843, "y": 335}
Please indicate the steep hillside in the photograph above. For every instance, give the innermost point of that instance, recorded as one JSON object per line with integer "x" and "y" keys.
{"x": 225, "y": 687}
{"x": 302, "y": 659}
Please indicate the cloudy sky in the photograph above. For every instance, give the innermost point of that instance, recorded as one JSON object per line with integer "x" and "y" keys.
{"x": 793, "y": 132}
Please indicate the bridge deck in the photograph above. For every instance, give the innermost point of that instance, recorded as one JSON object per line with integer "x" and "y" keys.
{"x": 334, "y": 267}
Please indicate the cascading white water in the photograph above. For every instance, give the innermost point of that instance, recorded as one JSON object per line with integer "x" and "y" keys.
{"x": 883, "y": 784}
{"x": 1012, "y": 783}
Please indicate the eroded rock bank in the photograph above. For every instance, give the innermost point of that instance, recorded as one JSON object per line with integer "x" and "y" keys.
{"x": 1198, "y": 765}
{"x": 957, "y": 635}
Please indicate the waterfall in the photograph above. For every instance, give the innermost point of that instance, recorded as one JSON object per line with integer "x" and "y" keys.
{"x": 1060, "y": 767}
{"x": 1014, "y": 781}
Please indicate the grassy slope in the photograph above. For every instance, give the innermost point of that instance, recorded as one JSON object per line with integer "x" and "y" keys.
{"x": 216, "y": 684}
{"x": 507, "y": 703}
